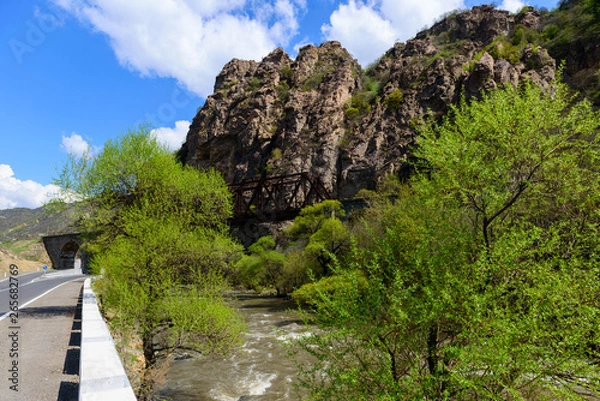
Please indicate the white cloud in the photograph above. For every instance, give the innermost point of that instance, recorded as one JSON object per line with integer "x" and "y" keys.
{"x": 75, "y": 145}
{"x": 172, "y": 138}
{"x": 367, "y": 30}
{"x": 17, "y": 193}
{"x": 361, "y": 29}
{"x": 186, "y": 39}
{"x": 513, "y": 6}
{"x": 300, "y": 44}
{"x": 286, "y": 23}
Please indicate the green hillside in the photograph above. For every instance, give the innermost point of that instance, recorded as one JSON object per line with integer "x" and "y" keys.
{"x": 21, "y": 232}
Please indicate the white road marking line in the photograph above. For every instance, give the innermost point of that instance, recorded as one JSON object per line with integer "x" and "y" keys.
{"x": 21, "y": 307}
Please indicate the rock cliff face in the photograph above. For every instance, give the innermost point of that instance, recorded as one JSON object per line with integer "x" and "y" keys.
{"x": 321, "y": 113}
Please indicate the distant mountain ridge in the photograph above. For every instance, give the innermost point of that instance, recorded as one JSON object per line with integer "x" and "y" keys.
{"x": 29, "y": 224}
{"x": 21, "y": 232}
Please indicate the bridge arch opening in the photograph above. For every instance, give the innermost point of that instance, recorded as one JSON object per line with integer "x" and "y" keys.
{"x": 69, "y": 257}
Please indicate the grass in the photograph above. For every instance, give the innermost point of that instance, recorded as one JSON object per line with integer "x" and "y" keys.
{"x": 32, "y": 250}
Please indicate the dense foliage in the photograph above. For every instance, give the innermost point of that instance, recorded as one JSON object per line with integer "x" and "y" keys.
{"x": 481, "y": 279}
{"x": 158, "y": 236}
{"x": 315, "y": 238}
{"x": 261, "y": 267}
{"x": 570, "y": 33}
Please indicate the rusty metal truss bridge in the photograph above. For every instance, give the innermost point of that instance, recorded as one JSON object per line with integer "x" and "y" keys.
{"x": 277, "y": 198}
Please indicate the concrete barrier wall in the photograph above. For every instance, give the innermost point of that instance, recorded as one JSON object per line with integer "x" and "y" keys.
{"x": 101, "y": 373}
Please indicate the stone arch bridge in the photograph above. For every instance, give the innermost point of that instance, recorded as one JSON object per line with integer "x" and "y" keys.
{"x": 65, "y": 251}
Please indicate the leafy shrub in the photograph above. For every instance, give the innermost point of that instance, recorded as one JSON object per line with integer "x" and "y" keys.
{"x": 352, "y": 113}
{"x": 262, "y": 267}
{"x": 593, "y": 7}
{"x": 313, "y": 82}
{"x": 523, "y": 36}
{"x": 294, "y": 273}
{"x": 394, "y": 100}
{"x": 203, "y": 322}
{"x": 372, "y": 85}
{"x": 276, "y": 154}
{"x": 360, "y": 101}
{"x": 502, "y": 48}
{"x": 282, "y": 90}
{"x": 286, "y": 73}
{"x": 312, "y": 293}
{"x": 254, "y": 84}
{"x": 550, "y": 32}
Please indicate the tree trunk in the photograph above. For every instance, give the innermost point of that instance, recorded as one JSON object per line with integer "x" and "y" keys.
{"x": 432, "y": 357}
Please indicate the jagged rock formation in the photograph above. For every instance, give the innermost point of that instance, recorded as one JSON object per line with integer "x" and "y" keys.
{"x": 323, "y": 114}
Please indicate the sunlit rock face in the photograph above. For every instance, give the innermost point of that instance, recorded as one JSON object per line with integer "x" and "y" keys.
{"x": 322, "y": 113}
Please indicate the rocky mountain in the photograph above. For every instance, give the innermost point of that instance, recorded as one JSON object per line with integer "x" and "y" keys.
{"x": 323, "y": 113}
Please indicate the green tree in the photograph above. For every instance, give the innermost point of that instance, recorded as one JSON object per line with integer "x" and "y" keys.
{"x": 319, "y": 230}
{"x": 316, "y": 237}
{"x": 262, "y": 267}
{"x": 491, "y": 157}
{"x": 594, "y": 7}
{"x": 158, "y": 236}
{"x": 483, "y": 285}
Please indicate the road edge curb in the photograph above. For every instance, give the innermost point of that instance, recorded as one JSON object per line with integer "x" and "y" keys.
{"x": 101, "y": 373}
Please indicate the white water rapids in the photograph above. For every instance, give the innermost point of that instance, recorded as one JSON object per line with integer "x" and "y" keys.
{"x": 260, "y": 370}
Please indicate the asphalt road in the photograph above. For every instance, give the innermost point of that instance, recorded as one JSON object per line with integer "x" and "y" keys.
{"x": 40, "y": 345}
{"x": 28, "y": 287}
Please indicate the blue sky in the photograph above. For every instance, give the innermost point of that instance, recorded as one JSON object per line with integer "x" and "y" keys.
{"x": 75, "y": 73}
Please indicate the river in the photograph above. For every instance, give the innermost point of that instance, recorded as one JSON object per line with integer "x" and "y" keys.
{"x": 259, "y": 370}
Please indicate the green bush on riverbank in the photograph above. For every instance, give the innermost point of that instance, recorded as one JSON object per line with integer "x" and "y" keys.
{"x": 157, "y": 233}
